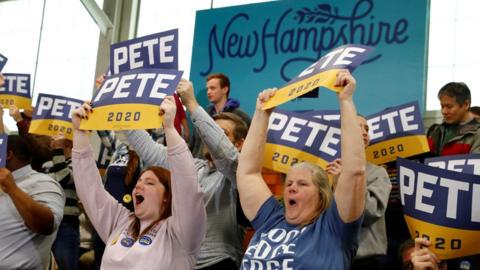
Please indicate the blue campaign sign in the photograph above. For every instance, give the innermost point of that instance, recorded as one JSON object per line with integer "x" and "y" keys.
{"x": 16, "y": 91}
{"x": 158, "y": 50}
{"x": 327, "y": 115}
{"x": 295, "y": 137}
{"x": 53, "y": 115}
{"x": 469, "y": 164}
{"x": 3, "y": 61}
{"x": 442, "y": 205}
{"x": 267, "y": 44}
{"x": 394, "y": 122}
{"x": 3, "y": 150}
{"x": 131, "y": 100}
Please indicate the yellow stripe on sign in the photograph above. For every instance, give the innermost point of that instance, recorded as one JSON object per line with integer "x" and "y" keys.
{"x": 51, "y": 127}
{"x": 280, "y": 158}
{"x": 21, "y": 102}
{"x": 447, "y": 242}
{"x": 387, "y": 151}
{"x": 123, "y": 117}
{"x": 294, "y": 90}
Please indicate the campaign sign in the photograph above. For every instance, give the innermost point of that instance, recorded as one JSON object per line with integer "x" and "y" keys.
{"x": 158, "y": 50}
{"x": 3, "y": 61}
{"x": 321, "y": 73}
{"x": 16, "y": 91}
{"x": 295, "y": 137}
{"x": 3, "y": 150}
{"x": 396, "y": 132}
{"x": 131, "y": 100}
{"x": 469, "y": 164}
{"x": 441, "y": 205}
{"x": 53, "y": 115}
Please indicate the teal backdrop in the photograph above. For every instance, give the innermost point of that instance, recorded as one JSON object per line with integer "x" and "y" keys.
{"x": 264, "y": 45}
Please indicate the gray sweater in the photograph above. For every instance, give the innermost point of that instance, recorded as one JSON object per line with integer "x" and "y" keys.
{"x": 373, "y": 234}
{"x": 224, "y": 236}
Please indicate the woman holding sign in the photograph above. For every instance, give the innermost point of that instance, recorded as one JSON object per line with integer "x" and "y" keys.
{"x": 314, "y": 229}
{"x": 168, "y": 223}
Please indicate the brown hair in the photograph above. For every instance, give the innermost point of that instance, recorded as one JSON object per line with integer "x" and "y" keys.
{"x": 164, "y": 178}
{"x": 224, "y": 80}
{"x": 320, "y": 180}
{"x": 133, "y": 167}
{"x": 240, "y": 130}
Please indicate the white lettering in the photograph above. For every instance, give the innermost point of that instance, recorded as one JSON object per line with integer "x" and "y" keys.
{"x": 291, "y": 128}
{"x": 452, "y": 198}
{"x": 405, "y": 189}
{"x": 422, "y": 191}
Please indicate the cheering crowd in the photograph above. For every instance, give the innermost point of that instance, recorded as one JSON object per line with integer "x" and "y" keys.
{"x": 184, "y": 202}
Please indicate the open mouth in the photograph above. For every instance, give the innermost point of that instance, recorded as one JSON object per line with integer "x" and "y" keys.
{"x": 139, "y": 198}
{"x": 292, "y": 202}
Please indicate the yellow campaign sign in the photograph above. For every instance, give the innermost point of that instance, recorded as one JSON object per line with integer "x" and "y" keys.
{"x": 447, "y": 243}
{"x": 289, "y": 92}
{"x": 20, "y": 102}
{"x": 123, "y": 117}
{"x": 51, "y": 127}
{"x": 321, "y": 73}
{"x": 280, "y": 158}
{"x": 387, "y": 151}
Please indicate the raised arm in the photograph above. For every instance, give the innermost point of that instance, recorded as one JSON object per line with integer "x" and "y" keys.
{"x": 102, "y": 209}
{"x": 224, "y": 154}
{"x": 188, "y": 210}
{"x": 251, "y": 187}
{"x": 350, "y": 189}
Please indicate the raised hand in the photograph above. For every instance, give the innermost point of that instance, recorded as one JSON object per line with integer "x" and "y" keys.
{"x": 264, "y": 96}
{"x": 185, "y": 91}
{"x": 15, "y": 113}
{"x": 168, "y": 110}
{"x": 81, "y": 113}
{"x": 345, "y": 79}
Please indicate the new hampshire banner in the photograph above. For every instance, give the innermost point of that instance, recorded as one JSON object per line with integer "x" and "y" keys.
{"x": 53, "y": 115}
{"x": 16, "y": 91}
{"x": 131, "y": 100}
{"x": 441, "y": 205}
{"x": 296, "y": 137}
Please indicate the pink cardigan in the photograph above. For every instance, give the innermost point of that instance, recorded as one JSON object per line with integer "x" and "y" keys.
{"x": 172, "y": 244}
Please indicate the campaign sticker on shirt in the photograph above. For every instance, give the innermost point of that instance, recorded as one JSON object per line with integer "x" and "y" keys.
{"x": 145, "y": 240}
{"x": 127, "y": 242}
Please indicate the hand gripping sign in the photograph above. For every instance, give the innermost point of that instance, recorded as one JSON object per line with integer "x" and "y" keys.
{"x": 321, "y": 73}
{"x": 296, "y": 137}
{"x": 396, "y": 132}
{"x": 53, "y": 115}
{"x": 441, "y": 205}
{"x": 3, "y": 61}
{"x": 131, "y": 100}
{"x": 158, "y": 50}
{"x": 16, "y": 91}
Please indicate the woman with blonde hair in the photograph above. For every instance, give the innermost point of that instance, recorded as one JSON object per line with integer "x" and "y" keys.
{"x": 314, "y": 229}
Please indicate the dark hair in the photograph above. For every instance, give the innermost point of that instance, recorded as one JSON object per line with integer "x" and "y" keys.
{"x": 20, "y": 147}
{"x": 409, "y": 243}
{"x": 164, "y": 178}
{"x": 475, "y": 110}
{"x": 240, "y": 130}
{"x": 457, "y": 90}
{"x": 223, "y": 79}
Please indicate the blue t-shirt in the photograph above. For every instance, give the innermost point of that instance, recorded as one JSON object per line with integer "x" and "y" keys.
{"x": 327, "y": 243}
